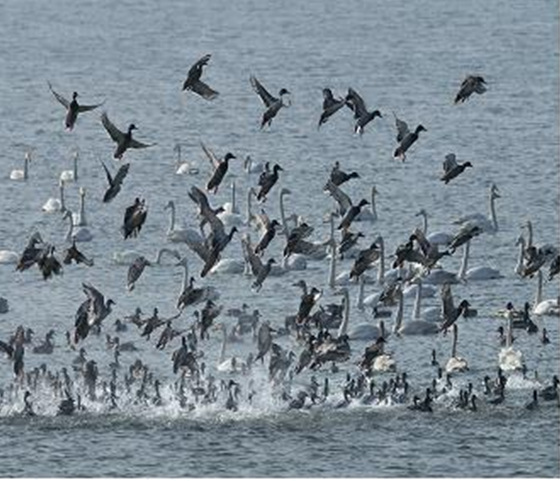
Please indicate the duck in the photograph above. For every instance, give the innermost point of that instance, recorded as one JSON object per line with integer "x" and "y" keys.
{"x": 331, "y": 105}
{"x": 273, "y": 104}
{"x": 407, "y": 141}
{"x": 47, "y": 346}
{"x": 73, "y": 108}
{"x": 194, "y": 84}
{"x": 455, "y": 363}
{"x": 369, "y": 214}
{"x": 68, "y": 176}
{"x": 123, "y": 140}
{"x": 22, "y": 174}
{"x": 361, "y": 114}
{"x": 471, "y": 84}
{"x": 115, "y": 183}
{"x": 452, "y": 169}
{"x": 128, "y": 257}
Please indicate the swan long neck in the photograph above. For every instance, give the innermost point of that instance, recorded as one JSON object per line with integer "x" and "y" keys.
{"x": 538, "y": 295}
{"x": 159, "y": 254}
{"x": 233, "y": 204}
{"x": 373, "y": 208}
{"x": 381, "y": 271}
{"x": 417, "y": 301}
{"x": 493, "y": 213}
{"x": 26, "y": 167}
{"x": 82, "y": 220}
{"x": 224, "y": 345}
{"x": 399, "y": 315}
{"x": 425, "y": 223}
{"x": 346, "y": 319}
{"x": 529, "y": 234}
{"x": 361, "y": 293}
{"x": 509, "y": 333}
{"x": 332, "y": 266}
{"x": 283, "y": 215}
{"x": 171, "y": 218}
{"x": 70, "y": 228}
{"x": 62, "y": 206}
{"x": 178, "y": 149}
{"x": 464, "y": 261}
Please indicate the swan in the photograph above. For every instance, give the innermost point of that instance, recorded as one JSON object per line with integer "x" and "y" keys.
{"x": 8, "y": 257}
{"x": 17, "y": 174}
{"x": 369, "y": 214}
{"x": 230, "y": 215}
{"x": 228, "y": 266}
{"x": 486, "y": 224}
{"x": 203, "y": 294}
{"x": 520, "y": 266}
{"x": 416, "y": 327}
{"x": 173, "y": 234}
{"x": 252, "y": 167}
{"x": 364, "y": 331}
{"x": 128, "y": 257}
{"x": 80, "y": 218}
{"x": 54, "y": 205}
{"x": 229, "y": 365}
{"x": 432, "y": 314}
{"x": 436, "y": 238}
{"x": 80, "y": 234}
{"x": 441, "y": 276}
{"x": 67, "y": 176}
{"x": 548, "y": 307}
{"x": 548, "y": 250}
{"x": 481, "y": 273}
{"x": 456, "y": 364}
{"x": 412, "y": 288}
{"x": 509, "y": 359}
{"x": 183, "y": 167}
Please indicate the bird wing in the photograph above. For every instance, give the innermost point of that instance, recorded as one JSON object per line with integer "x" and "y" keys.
{"x": 216, "y": 224}
{"x": 264, "y": 94}
{"x": 86, "y": 108}
{"x": 358, "y": 103}
{"x": 214, "y": 161}
{"x": 250, "y": 256}
{"x": 402, "y": 128}
{"x": 135, "y": 144}
{"x": 196, "y": 243}
{"x": 449, "y": 163}
{"x": 59, "y": 97}
{"x": 195, "y": 69}
{"x": 121, "y": 174}
{"x": 107, "y": 173}
{"x": 113, "y": 132}
{"x": 9, "y": 350}
{"x": 204, "y": 90}
{"x": 97, "y": 299}
{"x": 343, "y": 199}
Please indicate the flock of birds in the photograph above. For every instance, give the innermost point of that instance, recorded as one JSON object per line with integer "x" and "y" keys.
{"x": 315, "y": 338}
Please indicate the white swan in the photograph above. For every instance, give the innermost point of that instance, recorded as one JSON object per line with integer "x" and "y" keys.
{"x": 369, "y": 213}
{"x": 81, "y": 234}
{"x": 8, "y": 257}
{"x": 252, "y": 167}
{"x": 231, "y": 216}
{"x": 18, "y": 174}
{"x": 480, "y": 273}
{"x": 455, "y": 363}
{"x": 232, "y": 364}
{"x": 548, "y": 307}
{"x": 79, "y": 219}
{"x": 174, "y": 234}
{"x": 67, "y": 176}
{"x": 53, "y": 204}
{"x": 228, "y": 266}
{"x": 436, "y": 238}
{"x": 509, "y": 359}
{"x": 416, "y": 327}
{"x": 519, "y": 267}
{"x": 547, "y": 250}
{"x": 486, "y": 224}
{"x": 128, "y": 257}
{"x": 183, "y": 167}
{"x": 431, "y": 314}
{"x": 441, "y": 276}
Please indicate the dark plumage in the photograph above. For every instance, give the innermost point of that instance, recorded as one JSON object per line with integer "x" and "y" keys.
{"x": 361, "y": 114}
{"x": 134, "y": 218}
{"x": 407, "y": 141}
{"x": 123, "y": 140}
{"x": 338, "y": 177}
{"x": 193, "y": 82}
{"x": 452, "y": 169}
{"x": 73, "y": 108}
{"x": 330, "y": 106}
{"x": 272, "y": 104}
{"x": 472, "y": 84}
{"x": 351, "y": 214}
{"x": 73, "y": 254}
{"x": 219, "y": 173}
{"x": 268, "y": 181}
{"x": 115, "y": 183}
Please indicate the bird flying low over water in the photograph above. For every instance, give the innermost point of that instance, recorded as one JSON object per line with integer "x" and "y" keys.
{"x": 472, "y": 84}
{"x": 73, "y": 108}
{"x": 451, "y": 168}
{"x": 407, "y": 140}
{"x": 115, "y": 183}
{"x": 220, "y": 168}
{"x": 123, "y": 140}
{"x": 134, "y": 218}
{"x": 193, "y": 82}
{"x": 272, "y": 104}
{"x": 361, "y": 113}
{"x": 331, "y": 105}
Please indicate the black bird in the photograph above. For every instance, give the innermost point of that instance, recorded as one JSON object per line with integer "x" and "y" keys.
{"x": 534, "y": 403}
{"x": 407, "y": 141}
{"x": 351, "y": 214}
{"x": 267, "y": 237}
{"x": 31, "y": 253}
{"x": 330, "y": 106}
{"x": 272, "y": 104}
{"x": 115, "y": 183}
{"x": 220, "y": 168}
{"x": 48, "y": 263}
{"x": 73, "y": 108}
{"x": 338, "y": 177}
{"x": 135, "y": 271}
{"x": 361, "y": 113}
{"x": 134, "y": 218}
{"x": 472, "y": 84}
{"x": 349, "y": 240}
{"x": 73, "y": 254}
{"x": 193, "y": 82}
{"x": 365, "y": 259}
{"x": 554, "y": 268}
{"x": 267, "y": 182}
{"x": 452, "y": 169}
{"x": 123, "y": 140}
